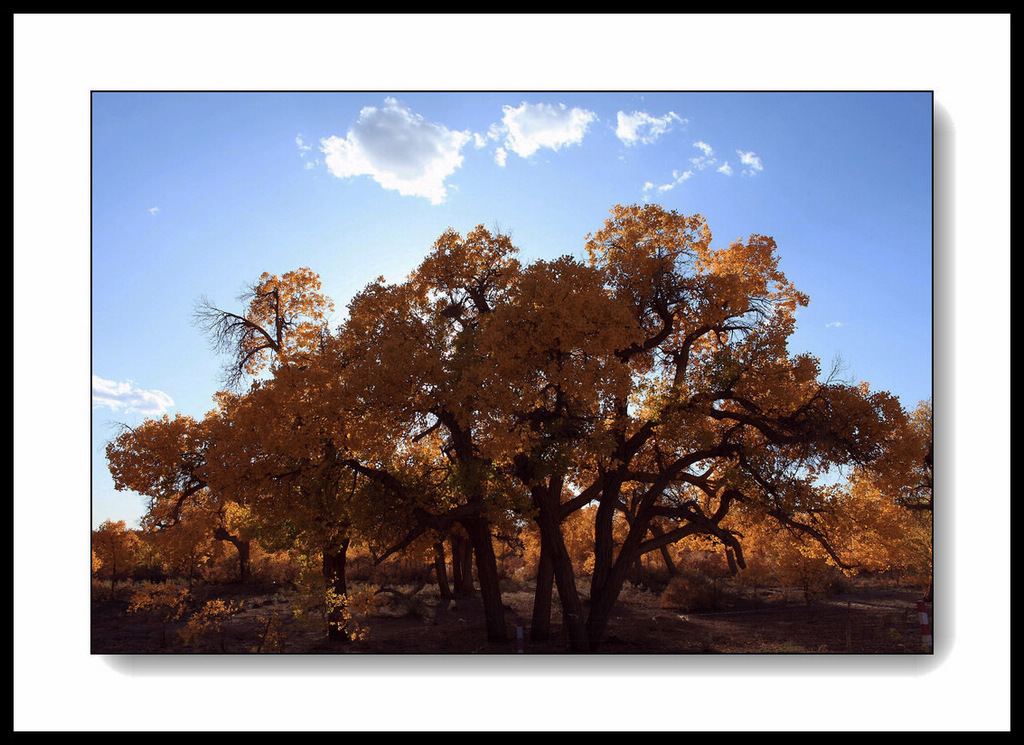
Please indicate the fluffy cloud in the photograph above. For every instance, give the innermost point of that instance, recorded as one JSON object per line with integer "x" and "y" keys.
{"x": 399, "y": 150}
{"x": 125, "y": 396}
{"x": 530, "y": 127}
{"x": 751, "y": 162}
{"x": 640, "y": 127}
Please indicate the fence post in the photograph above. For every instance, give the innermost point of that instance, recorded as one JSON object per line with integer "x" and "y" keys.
{"x": 849, "y": 631}
{"x": 926, "y": 630}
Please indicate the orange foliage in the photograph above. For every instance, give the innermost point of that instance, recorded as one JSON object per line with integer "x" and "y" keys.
{"x": 653, "y": 382}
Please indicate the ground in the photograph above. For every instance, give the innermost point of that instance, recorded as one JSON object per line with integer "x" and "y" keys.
{"x": 866, "y": 619}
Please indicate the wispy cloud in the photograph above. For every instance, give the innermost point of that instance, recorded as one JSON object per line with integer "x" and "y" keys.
{"x": 752, "y": 163}
{"x": 833, "y": 324}
{"x": 527, "y": 128}
{"x": 678, "y": 177}
{"x": 153, "y": 210}
{"x": 398, "y": 149}
{"x": 706, "y": 159}
{"x": 125, "y": 396}
{"x": 641, "y": 128}
{"x": 304, "y": 150}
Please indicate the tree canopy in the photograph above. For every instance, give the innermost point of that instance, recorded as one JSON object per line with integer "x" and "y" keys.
{"x": 650, "y": 380}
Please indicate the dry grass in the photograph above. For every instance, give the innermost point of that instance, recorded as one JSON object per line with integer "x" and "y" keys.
{"x": 733, "y": 620}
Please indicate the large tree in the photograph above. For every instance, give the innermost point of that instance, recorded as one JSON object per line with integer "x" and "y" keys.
{"x": 280, "y": 447}
{"x": 652, "y": 381}
{"x": 413, "y": 375}
{"x": 656, "y": 380}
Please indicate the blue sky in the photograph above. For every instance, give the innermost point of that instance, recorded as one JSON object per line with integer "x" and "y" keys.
{"x": 197, "y": 194}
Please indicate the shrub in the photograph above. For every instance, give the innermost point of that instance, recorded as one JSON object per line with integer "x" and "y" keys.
{"x": 208, "y": 619}
{"x": 690, "y": 591}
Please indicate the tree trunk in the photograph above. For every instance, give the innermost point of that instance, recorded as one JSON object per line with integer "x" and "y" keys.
{"x": 466, "y": 547}
{"x": 334, "y": 574}
{"x": 602, "y": 599}
{"x": 540, "y": 624}
{"x": 487, "y": 574}
{"x": 666, "y": 556}
{"x": 669, "y": 564}
{"x": 242, "y": 546}
{"x": 441, "y": 571}
{"x": 546, "y": 499}
{"x": 462, "y": 564}
{"x": 607, "y": 584}
{"x": 244, "y": 572}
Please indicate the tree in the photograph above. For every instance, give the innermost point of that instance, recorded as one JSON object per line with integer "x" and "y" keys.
{"x": 114, "y": 546}
{"x": 271, "y": 453}
{"x": 651, "y": 384}
{"x": 413, "y": 373}
{"x": 187, "y": 546}
{"x": 693, "y": 407}
{"x": 886, "y": 509}
{"x": 281, "y": 448}
{"x": 162, "y": 459}
{"x": 918, "y": 490}
{"x": 283, "y": 322}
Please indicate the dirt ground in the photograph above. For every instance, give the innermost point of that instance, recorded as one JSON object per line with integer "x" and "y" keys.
{"x": 865, "y": 620}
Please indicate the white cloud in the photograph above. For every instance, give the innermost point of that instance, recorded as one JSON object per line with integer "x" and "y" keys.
{"x": 303, "y": 150}
{"x": 125, "y": 396}
{"x": 706, "y": 158}
{"x": 400, "y": 150}
{"x": 704, "y": 148}
{"x": 153, "y": 210}
{"x": 530, "y": 127}
{"x": 751, "y": 161}
{"x": 833, "y": 324}
{"x": 677, "y": 178}
{"x": 641, "y": 127}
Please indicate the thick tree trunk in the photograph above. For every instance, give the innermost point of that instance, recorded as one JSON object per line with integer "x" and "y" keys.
{"x": 441, "y": 571}
{"x": 609, "y": 578}
{"x": 666, "y": 556}
{"x": 552, "y": 544}
{"x": 244, "y": 571}
{"x": 462, "y": 565}
{"x": 540, "y": 623}
{"x": 334, "y": 574}
{"x": 487, "y": 575}
{"x": 604, "y": 557}
{"x": 242, "y": 546}
{"x": 602, "y": 599}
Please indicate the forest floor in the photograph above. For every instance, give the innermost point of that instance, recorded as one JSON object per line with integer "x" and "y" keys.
{"x": 866, "y": 619}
